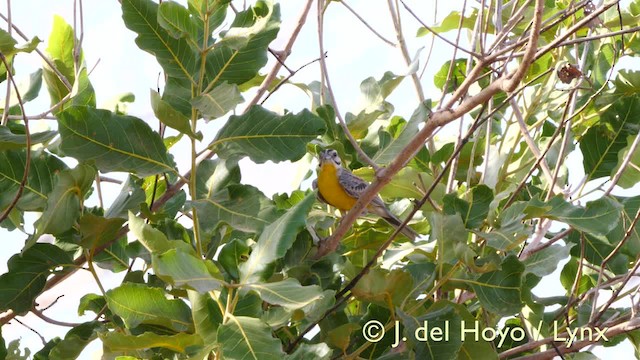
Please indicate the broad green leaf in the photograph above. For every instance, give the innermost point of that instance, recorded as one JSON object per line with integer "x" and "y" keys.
{"x": 176, "y": 56}
{"x": 499, "y": 291}
{"x": 214, "y": 175}
{"x": 180, "y": 342}
{"x": 172, "y": 117}
{"x": 458, "y": 75}
{"x": 129, "y": 199}
{"x": 275, "y": 240}
{"x": 475, "y": 211}
{"x": 237, "y": 59}
{"x": 419, "y": 332}
{"x": 244, "y": 337}
{"x": 8, "y": 45}
{"x": 390, "y": 151}
{"x": 243, "y": 207}
{"x": 206, "y": 315}
{"x": 185, "y": 271}
{"x": 12, "y": 141}
{"x": 64, "y": 203}
{"x": 113, "y": 142}
{"x": 75, "y": 341}
{"x": 264, "y": 135}
{"x": 451, "y": 22}
{"x": 232, "y": 255}
{"x": 632, "y": 245}
{"x": 545, "y": 261}
{"x": 287, "y": 293}
{"x": 597, "y": 218}
{"x": 374, "y": 93}
{"x": 114, "y": 257}
{"x": 91, "y": 302}
{"x": 29, "y": 90}
{"x": 97, "y": 231}
{"x": 60, "y": 48}
{"x": 140, "y": 304}
{"x": 153, "y": 239}
{"x": 177, "y": 93}
{"x": 219, "y": 101}
{"x": 509, "y": 230}
{"x": 40, "y": 180}
{"x": 451, "y": 236}
{"x": 27, "y": 274}
{"x": 214, "y": 10}
{"x": 176, "y": 20}
{"x": 602, "y": 143}
{"x": 382, "y": 287}
{"x": 472, "y": 349}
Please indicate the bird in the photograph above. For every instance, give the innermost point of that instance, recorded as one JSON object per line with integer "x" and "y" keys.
{"x": 340, "y": 188}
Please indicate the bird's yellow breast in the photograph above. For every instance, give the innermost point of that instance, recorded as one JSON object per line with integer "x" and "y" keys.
{"x": 331, "y": 190}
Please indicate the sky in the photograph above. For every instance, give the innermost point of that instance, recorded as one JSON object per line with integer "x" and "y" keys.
{"x": 119, "y": 67}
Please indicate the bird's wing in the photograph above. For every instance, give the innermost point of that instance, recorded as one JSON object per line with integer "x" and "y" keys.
{"x": 354, "y": 186}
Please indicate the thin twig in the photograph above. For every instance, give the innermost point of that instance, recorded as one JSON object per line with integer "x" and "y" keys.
{"x": 365, "y": 23}
{"x": 27, "y": 165}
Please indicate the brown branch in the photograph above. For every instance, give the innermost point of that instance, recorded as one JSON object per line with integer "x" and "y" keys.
{"x": 622, "y": 326}
{"x": 302, "y": 19}
{"x": 325, "y": 75}
{"x": 438, "y": 119}
{"x": 44, "y": 317}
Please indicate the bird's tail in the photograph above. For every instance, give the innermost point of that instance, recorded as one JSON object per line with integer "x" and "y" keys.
{"x": 406, "y": 231}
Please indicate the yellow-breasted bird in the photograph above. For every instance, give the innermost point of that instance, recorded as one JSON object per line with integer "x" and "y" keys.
{"x": 339, "y": 188}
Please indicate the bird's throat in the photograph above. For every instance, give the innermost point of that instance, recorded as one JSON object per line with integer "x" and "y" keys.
{"x": 331, "y": 190}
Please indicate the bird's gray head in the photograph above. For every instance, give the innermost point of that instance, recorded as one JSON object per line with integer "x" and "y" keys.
{"x": 329, "y": 156}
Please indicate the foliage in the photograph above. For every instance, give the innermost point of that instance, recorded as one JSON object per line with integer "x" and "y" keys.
{"x": 228, "y": 272}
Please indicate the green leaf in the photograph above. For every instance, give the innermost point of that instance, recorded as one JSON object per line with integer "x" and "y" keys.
{"x": 275, "y": 240}
{"x": 40, "y": 180}
{"x": 176, "y": 19}
{"x": 170, "y": 116}
{"x": 180, "y": 342}
{"x": 206, "y": 315}
{"x": 287, "y": 293}
{"x": 263, "y": 135}
{"x": 75, "y": 341}
{"x": 474, "y": 213}
{"x": 419, "y": 332}
{"x": 214, "y": 175}
{"x": 374, "y": 93}
{"x": 113, "y": 142}
{"x": 451, "y": 22}
{"x": 11, "y": 141}
{"x": 153, "y": 239}
{"x": 499, "y": 291}
{"x": 238, "y": 58}
{"x": 390, "y": 151}
{"x": 8, "y": 45}
{"x": 598, "y": 218}
{"x": 545, "y": 261}
{"x": 602, "y": 142}
{"x": 458, "y": 75}
{"x": 65, "y": 200}
{"x": 129, "y": 199}
{"x": 248, "y": 338}
{"x": 27, "y": 275}
{"x": 29, "y": 90}
{"x": 385, "y": 288}
{"x": 140, "y": 304}
{"x": 61, "y": 45}
{"x": 232, "y": 255}
{"x": 97, "y": 231}
{"x": 243, "y": 207}
{"x": 219, "y": 101}
{"x": 185, "y": 271}
{"x": 176, "y": 56}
